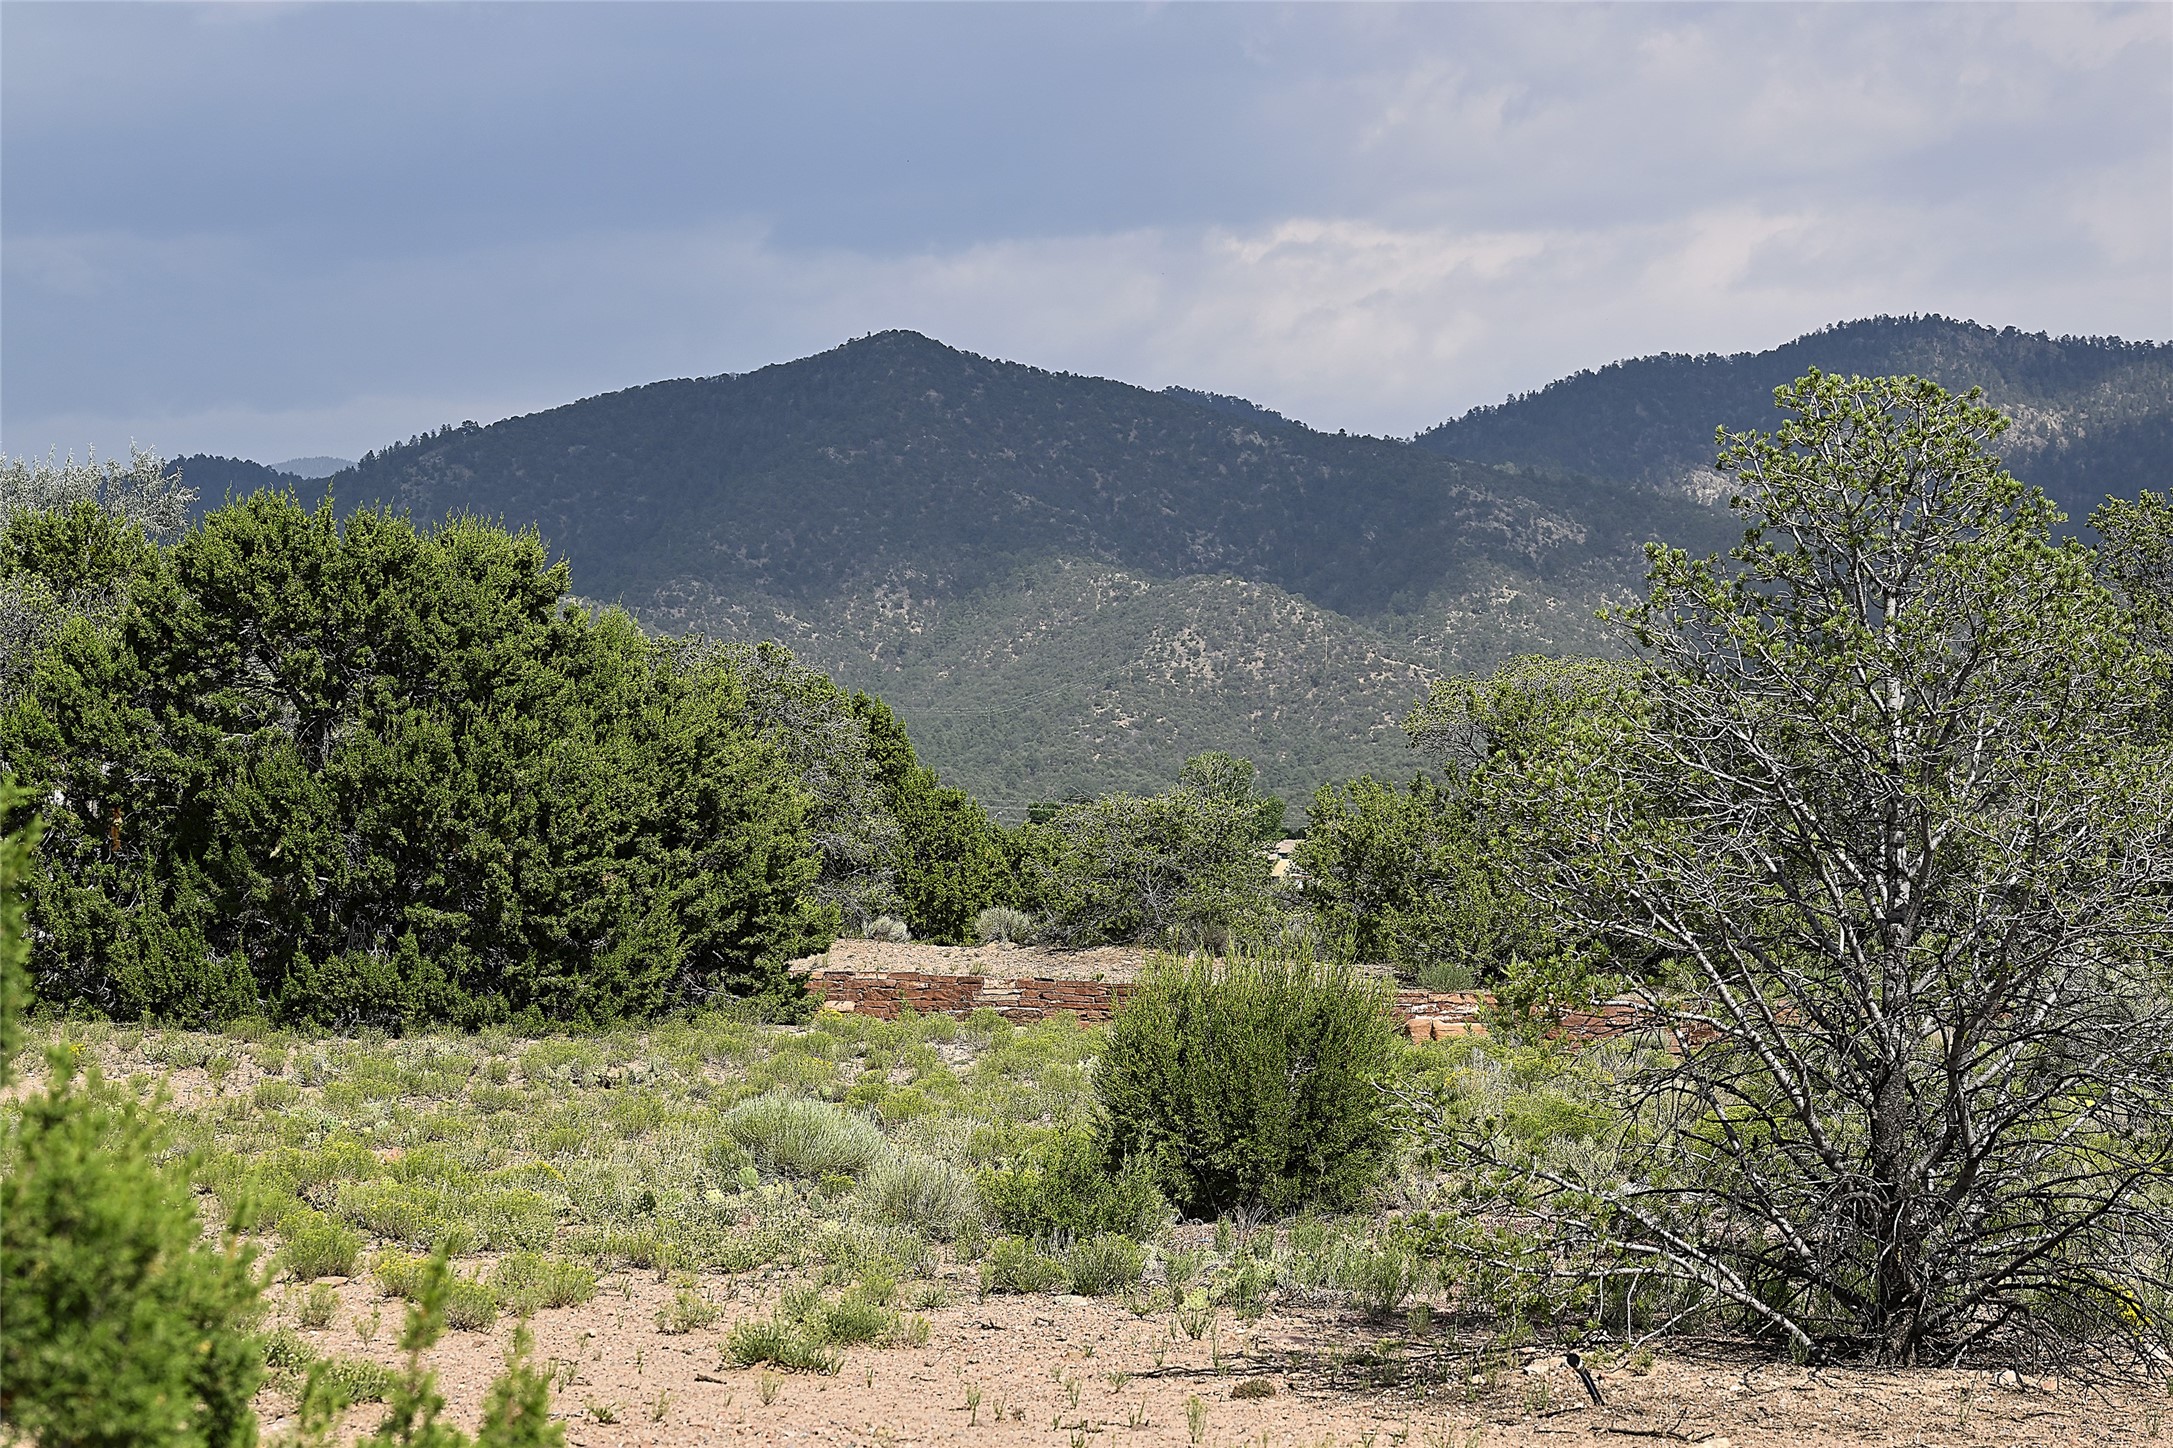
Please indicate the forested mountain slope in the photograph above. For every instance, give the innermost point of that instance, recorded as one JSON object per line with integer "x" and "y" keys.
{"x": 1062, "y": 582}
{"x": 2091, "y": 415}
{"x": 1065, "y": 583}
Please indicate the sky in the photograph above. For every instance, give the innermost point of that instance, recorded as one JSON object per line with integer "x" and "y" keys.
{"x": 272, "y": 230}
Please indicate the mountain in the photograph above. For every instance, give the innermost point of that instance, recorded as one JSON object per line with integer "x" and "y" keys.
{"x": 1065, "y": 583}
{"x": 218, "y": 478}
{"x": 316, "y": 467}
{"x": 2091, "y": 415}
{"x": 1061, "y": 582}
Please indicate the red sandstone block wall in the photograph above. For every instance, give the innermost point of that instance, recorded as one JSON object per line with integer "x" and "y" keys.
{"x": 1427, "y": 1015}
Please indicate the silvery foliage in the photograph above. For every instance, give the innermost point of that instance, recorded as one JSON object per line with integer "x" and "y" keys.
{"x": 142, "y": 492}
{"x": 810, "y": 720}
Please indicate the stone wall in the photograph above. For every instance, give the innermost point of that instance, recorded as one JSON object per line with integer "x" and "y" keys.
{"x": 1427, "y": 1015}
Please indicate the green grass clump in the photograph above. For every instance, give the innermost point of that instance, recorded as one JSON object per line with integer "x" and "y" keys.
{"x": 470, "y": 1305}
{"x": 1101, "y": 1265}
{"x": 781, "y": 1343}
{"x": 527, "y": 1282}
{"x": 1014, "y": 1264}
{"x": 925, "y": 1193}
{"x": 1062, "y": 1188}
{"x": 316, "y": 1246}
{"x": 687, "y": 1311}
{"x": 804, "y": 1138}
{"x": 292, "y": 1363}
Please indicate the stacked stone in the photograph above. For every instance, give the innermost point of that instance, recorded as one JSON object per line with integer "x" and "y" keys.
{"x": 1425, "y": 1015}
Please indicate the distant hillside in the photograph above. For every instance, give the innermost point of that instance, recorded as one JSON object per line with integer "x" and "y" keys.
{"x": 314, "y": 467}
{"x": 2092, "y": 415}
{"x": 217, "y": 478}
{"x": 1063, "y": 582}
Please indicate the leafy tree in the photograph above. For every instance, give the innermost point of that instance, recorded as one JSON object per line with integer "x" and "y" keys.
{"x": 143, "y": 493}
{"x": 1411, "y": 879}
{"x": 1887, "y": 787}
{"x": 72, "y": 537}
{"x": 821, "y": 733}
{"x": 1183, "y": 867}
{"x": 2137, "y": 559}
{"x": 951, "y": 860}
{"x": 1221, "y": 775}
{"x": 361, "y": 772}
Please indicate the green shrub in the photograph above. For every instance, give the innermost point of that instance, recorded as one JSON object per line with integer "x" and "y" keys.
{"x": 1064, "y": 1189}
{"x": 527, "y": 1282}
{"x": 118, "y": 1323}
{"x": 1253, "y": 1084}
{"x": 1185, "y": 865}
{"x": 686, "y": 1311}
{"x": 470, "y": 1306}
{"x": 1014, "y": 1264}
{"x": 803, "y": 1138}
{"x": 1101, "y": 1265}
{"x": 887, "y": 927}
{"x": 1380, "y": 1275}
{"x": 930, "y": 1195}
{"x": 294, "y": 1363}
{"x": 318, "y": 1307}
{"x": 316, "y": 1246}
{"x": 862, "y": 1313}
{"x": 399, "y": 1274}
{"x": 780, "y": 1342}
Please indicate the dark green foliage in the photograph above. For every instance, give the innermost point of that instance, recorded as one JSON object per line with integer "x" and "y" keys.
{"x": 1183, "y": 868}
{"x": 1410, "y": 879}
{"x": 951, "y": 859}
{"x": 1253, "y": 1083}
{"x": 16, "y": 848}
{"x": 118, "y": 1324}
{"x": 366, "y": 774}
{"x": 2098, "y": 412}
{"x": 1065, "y": 1187}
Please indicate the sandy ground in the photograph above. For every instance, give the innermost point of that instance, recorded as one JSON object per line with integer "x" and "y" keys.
{"x": 998, "y": 962}
{"x": 1078, "y": 1371}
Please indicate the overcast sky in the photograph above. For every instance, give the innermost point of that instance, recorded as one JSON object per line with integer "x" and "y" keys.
{"x": 279, "y": 230}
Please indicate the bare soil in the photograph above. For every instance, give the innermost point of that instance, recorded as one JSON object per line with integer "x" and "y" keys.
{"x": 997, "y": 962}
{"x": 1081, "y": 1371}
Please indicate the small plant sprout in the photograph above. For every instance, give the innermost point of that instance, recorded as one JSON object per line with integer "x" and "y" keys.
{"x": 973, "y": 1405}
{"x": 766, "y": 1388}
{"x": 1195, "y": 1418}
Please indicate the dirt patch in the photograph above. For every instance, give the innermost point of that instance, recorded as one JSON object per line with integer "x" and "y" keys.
{"x": 996, "y": 962}
{"x": 1071, "y": 1370}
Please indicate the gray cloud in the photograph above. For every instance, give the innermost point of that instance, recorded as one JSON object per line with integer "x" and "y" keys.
{"x": 274, "y": 230}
